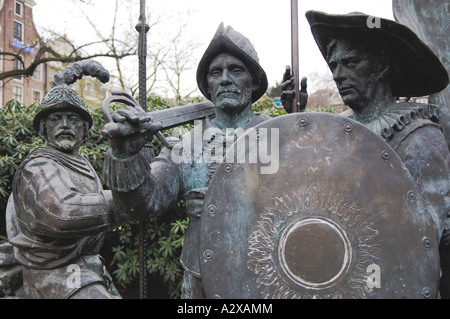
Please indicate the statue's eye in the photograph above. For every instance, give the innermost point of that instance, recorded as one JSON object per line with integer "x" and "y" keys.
{"x": 237, "y": 71}
{"x": 215, "y": 72}
{"x": 74, "y": 119}
{"x": 54, "y": 118}
{"x": 350, "y": 62}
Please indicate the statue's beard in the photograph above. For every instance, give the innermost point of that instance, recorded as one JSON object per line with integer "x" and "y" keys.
{"x": 67, "y": 143}
{"x": 233, "y": 100}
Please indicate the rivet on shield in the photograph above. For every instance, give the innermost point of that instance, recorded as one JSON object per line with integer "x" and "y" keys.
{"x": 385, "y": 155}
{"x": 426, "y": 242}
{"x": 228, "y": 168}
{"x": 412, "y": 196}
{"x": 426, "y": 292}
{"x": 212, "y": 210}
{"x": 207, "y": 254}
{"x": 348, "y": 127}
{"x": 302, "y": 121}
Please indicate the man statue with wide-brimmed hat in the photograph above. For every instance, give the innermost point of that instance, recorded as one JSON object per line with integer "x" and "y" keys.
{"x": 58, "y": 212}
{"x": 229, "y": 75}
{"x": 376, "y": 63}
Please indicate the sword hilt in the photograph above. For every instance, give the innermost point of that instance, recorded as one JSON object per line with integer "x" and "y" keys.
{"x": 112, "y": 129}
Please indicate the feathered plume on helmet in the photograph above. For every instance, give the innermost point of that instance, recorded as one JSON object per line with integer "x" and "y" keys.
{"x": 61, "y": 97}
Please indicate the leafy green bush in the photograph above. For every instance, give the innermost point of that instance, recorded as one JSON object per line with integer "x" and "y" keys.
{"x": 329, "y": 109}
{"x": 17, "y": 139}
{"x": 266, "y": 105}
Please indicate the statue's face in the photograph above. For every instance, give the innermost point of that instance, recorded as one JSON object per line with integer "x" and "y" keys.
{"x": 230, "y": 83}
{"x": 65, "y": 131}
{"x": 355, "y": 73}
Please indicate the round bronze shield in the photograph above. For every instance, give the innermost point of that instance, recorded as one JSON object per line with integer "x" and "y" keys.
{"x": 314, "y": 205}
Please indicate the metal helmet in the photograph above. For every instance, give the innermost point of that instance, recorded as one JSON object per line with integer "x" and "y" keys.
{"x": 227, "y": 40}
{"x": 61, "y": 97}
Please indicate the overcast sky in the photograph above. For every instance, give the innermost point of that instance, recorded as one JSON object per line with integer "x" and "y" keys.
{"x": 265, "y": 22}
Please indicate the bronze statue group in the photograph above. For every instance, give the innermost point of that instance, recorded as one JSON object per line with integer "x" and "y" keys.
{"x": 58, "y": 212}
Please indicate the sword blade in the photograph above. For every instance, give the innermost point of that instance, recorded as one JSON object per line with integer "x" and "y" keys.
{"x": 180, "y": 115}
{"x": 169, "y": 118}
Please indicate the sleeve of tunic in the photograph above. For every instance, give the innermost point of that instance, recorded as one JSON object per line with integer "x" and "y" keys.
{"x": 49, "y": 203}
{"x": 143, "y": 189}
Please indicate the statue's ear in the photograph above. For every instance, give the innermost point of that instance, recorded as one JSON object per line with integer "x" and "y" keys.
{"x": 42, "y": 130}
{"x": 87, "y": 133}
{"x": 256, "y": 85}
{"x": 385, "y": 73}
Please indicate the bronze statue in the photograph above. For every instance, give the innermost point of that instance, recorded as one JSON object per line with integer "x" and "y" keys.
{"x": 351, "y": 202}
{"x": 58, "y": 212}
{"x": 429, "y": 20}
{"x": 230, "y": 76}
{"x": 374, "y": 64}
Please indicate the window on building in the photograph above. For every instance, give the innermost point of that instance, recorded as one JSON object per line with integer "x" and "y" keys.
{"x": 17, "y": 92}
{"x": 18, "y": 66}
{"x": 18, "y": 8}
{"x": 37, "y": 96}
{"x": 18, "y": 31}
{"x": 37, "y": 75}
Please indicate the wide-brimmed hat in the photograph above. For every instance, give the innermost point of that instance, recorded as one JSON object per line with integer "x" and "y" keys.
{"x": 227, "y": 40}
{"x": 61, "y": 98}
{"x": 420, "y": 72}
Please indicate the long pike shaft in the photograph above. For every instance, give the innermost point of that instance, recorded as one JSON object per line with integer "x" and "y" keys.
{"x": 295, "y": 54}
{"x": 142, "y": 28}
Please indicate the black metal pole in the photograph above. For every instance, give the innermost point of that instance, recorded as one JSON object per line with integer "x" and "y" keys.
{"x": 295, "y": 55}
{"x": 142, "y": 27}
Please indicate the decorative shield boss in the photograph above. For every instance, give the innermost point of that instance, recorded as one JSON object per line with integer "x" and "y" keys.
{"x": 314, "y": 205}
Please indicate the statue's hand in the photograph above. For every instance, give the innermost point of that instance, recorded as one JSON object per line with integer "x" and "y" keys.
{"x": 288, "y": 92}
{"x": 129, "y": 132}
{"x": 303, "y": 94}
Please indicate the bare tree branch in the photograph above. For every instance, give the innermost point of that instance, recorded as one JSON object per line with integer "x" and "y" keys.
{"x": 169, "y": 55}
{"x": 53, "y": 57}
{"x": 104, "y": 46}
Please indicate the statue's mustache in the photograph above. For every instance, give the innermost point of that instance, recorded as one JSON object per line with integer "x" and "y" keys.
{"x": 228, "y": 90}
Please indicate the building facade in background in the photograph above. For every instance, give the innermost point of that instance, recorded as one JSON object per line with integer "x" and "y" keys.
{"x": 18, "y": 35}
